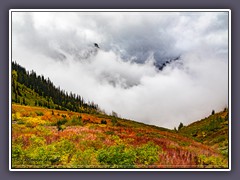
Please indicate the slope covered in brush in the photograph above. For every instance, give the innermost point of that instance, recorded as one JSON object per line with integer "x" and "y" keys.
{"x": 49, "y": 138}
{"x": 212, "y": 131}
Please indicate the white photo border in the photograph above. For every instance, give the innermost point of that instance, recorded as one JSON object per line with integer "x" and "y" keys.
{"x": 120, "y": 10}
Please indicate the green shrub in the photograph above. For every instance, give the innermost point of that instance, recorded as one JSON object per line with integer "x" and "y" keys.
{"x": 49, "y": 155}
{"x": 17, "y": 155}
{"x": 139, "y": 134}
{"x": 214, "y": 125}
{"x": 114, "y": 121}
{"x": 39, "y": 113}
{"x": 37, "y": 141}
{"x": 183, "y": 143}
{"x": 211, "y": 162}
{"x": 118, "y": 156}
{"x": 42, "y": 130}
{"x": 20, "y": 121}
{"x": 85, "y": 159}
{"x": 122, "y": 156}
{"x": 66, "y": 148}
{"x": 224, "y": 151}
{"x": 147, "y": 154}
{"x": 75, "y": 121}
{"x": 109, "y": 132}
{"x": 60, "y": 124}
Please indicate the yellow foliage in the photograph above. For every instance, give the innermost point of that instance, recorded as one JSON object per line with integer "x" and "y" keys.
{"x": 16, "y": 116}
{"x": 33, "y": 122}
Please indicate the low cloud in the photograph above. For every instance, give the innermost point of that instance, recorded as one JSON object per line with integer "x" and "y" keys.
{"x": 121, "y": 76}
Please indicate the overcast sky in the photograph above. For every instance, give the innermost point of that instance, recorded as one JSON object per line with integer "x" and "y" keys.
{"x": 121, "y": 75}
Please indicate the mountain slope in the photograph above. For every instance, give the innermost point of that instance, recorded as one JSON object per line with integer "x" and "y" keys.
{"x": 26, "y": 96}
{"x": 48, "y": 138}
{"x": 212, "y": 131}
{"x": 46, "y": 89}
{"x": 66, "y": 132}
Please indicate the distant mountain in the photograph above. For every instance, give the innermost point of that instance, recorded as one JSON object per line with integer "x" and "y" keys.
{"x": 165, "y": 62}
{"x": 77, "y": 53}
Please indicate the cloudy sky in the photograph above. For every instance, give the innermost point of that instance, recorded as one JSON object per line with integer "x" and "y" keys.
{"x": 123, "y": 75}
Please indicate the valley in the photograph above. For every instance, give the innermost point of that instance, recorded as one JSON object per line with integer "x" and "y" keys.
{"x": 51, "y": 128}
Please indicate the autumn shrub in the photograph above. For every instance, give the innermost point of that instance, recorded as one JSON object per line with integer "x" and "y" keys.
{"x": 109, "y": 132}
{"x": 224, "y": 151}
{"x": 183, "y": 143}
{"x": 66, "y": 148}
{"x": 95, "y": 144}
{"x": 63, "y": 116}
{"x": 139, "y": 134}
{"x": 33, "y": 122}
{"x": 75, "y": 121}
{"x": 41, "y": 130}
{"x": 20, "y": 121}
{"x": 60, "y": 124}
{"x": 117, "y": 140}
{"x": 41, "y": 155}
{"x": 211, "y": 162}
{"x": 76, "y": 137}
{"x": 26, "y": 114}
{"x": 39, "y": 113}
{"x": 148, "y": 154}
{"x": 114, "y": 121}
{"x": 117, "y": 156}
{"x": 37, "y": 141}
{"x": 154, "y": 135}
{"x": 16, "y": 116}
{"x": 213, "y": 125}
{"x": 17, "y": 155}
{"x": 85, "y": 159}
{"x": 219, "y": 139}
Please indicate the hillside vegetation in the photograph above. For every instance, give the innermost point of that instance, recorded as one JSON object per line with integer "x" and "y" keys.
{"x": 52, "y": 132}
{"x": 27, "y": 86}
{"x": 212, "y": 131}
{"x": 47, "y": 138}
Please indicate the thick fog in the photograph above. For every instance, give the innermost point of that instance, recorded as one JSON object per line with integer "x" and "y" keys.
{"x": 123, "y": 74}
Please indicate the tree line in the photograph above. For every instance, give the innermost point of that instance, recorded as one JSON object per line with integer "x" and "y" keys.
{"x": 45, "y": 88}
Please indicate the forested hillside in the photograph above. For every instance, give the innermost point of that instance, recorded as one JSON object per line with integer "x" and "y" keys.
{"x": 28, "y": 87}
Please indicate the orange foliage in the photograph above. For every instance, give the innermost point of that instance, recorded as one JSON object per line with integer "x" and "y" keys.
{"x": 94, "y": 134}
